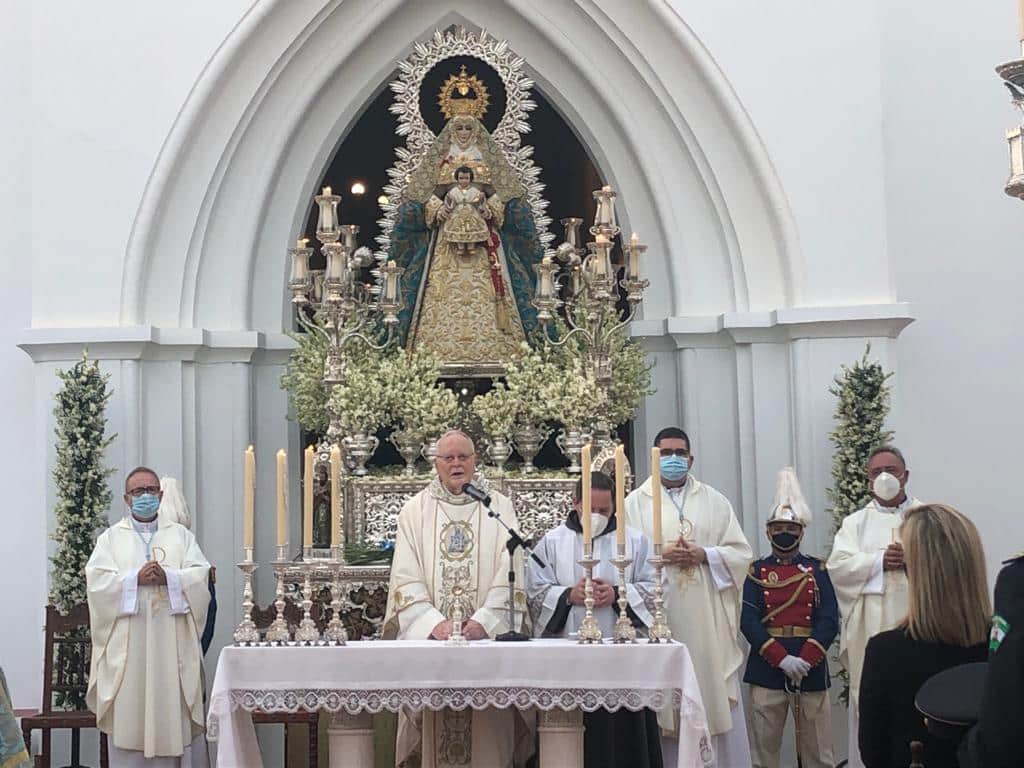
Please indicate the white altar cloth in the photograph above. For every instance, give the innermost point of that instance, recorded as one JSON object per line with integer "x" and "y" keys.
{"x": 373, "y": 676}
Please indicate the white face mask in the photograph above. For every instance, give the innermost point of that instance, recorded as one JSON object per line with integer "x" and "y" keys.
{"x": 598, "y": 523}
{"x": 886, "y": 487}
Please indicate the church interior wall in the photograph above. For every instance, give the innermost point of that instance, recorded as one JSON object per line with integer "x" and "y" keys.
{"x": 858, "y": 138}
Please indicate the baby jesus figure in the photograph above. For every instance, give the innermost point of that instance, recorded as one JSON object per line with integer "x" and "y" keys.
{"x": 466, "y": 208}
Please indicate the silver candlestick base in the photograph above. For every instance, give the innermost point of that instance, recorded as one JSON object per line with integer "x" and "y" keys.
{"x": 660, "y": 631}
{"x": 278, "y": 632}
{"x": 456, "y": 638}
{"x": 246, "y": 633}
{"x": 625, "y": 632}
{"x": 335, "y": 632}
{"x": 589, "y": 631}
{"x": 307, "y": 633}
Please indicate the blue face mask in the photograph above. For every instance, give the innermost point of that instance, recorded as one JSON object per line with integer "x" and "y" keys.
{"x": 674, "y": 467}
{"x": 145, "y": 506}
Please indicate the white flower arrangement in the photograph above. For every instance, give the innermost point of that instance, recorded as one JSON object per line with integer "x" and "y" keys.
{"x": 83, "y": 495}
{"x": 304, "y": 382}
{"x": 418, "y": 403}
{"x": 497, "y": 410}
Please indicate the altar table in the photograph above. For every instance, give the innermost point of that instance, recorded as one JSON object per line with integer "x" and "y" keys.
{"x": 558, "y": 678}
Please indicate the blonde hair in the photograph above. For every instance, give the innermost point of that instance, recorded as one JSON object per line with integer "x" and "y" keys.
{"x": 948, "y": 585}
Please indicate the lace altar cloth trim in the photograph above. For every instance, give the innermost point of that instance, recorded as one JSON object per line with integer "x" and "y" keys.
{"x": 392, "y": 700}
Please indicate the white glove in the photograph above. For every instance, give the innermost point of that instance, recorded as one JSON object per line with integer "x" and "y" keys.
{"x": 795, "y": 668}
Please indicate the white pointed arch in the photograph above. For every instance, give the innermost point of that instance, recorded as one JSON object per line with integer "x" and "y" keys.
{"x": 232, "y": 185}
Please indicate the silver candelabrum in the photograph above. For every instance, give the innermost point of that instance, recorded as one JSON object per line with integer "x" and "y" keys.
{"x": 589, "y": 630}
{"x": 278, "y": 632}
{"x": 334, "y": 304}
{"x": 307, "y": 632}
{"x": 590, "y": 285}
{"x": 659, "y": 631}
{"x": 246, "y": 632}
{"x": 625, "y": 632}
{"x": 335, "y": 632}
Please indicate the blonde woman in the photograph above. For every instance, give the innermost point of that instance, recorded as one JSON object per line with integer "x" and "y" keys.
{"x": 946, "y": 625}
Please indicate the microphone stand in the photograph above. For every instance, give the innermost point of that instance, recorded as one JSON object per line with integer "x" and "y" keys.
{"x": 514, "y": 542}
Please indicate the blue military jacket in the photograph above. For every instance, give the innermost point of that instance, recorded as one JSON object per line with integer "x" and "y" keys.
{"x": 795, "y": 600}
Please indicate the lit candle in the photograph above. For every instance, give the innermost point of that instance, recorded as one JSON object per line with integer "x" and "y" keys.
{"x": 656, "y": 494}
{"x": 620, "y": 498}
{"x": 588, "y": 540}
{"x": 300, "y": 262}
{"x": 328, "y": 213}
{"x": 249, "y": 488}
{"x": 605, "y": 188}
{"x": 282, "y": 499}
{"x": 634, "y": 239}
{"x": 335, "y": 495}
{"x": 307, "y": 498}
{"x": 326, "y": 192}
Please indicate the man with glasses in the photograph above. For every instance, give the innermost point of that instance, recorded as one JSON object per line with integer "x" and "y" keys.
{"x": 148, "y": 597}
{"x": 866, "y": 566}
{"x": 707, "y": 557}
{"x": 449, "y": 554}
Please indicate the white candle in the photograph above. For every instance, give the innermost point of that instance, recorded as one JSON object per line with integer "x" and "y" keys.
{"x": 391, "y": 289}
{"x": 307, "y": 497}
{"x": 335, "y": 495}
{"x": 249, "y": 492}
{"x": 656, "y": 494}
{"x": 588, "y": 540}
{"x": 545, "y": 278}
{"x": 620, "y": 499}
{"x": 634, "y": 239}
{"x": 282, "y": 499}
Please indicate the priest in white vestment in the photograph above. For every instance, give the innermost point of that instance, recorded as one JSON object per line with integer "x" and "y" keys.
{"x": 447, "y": 549}
{"x": 148, "y": 596}
{"x": 555, "y": 594}
{"x": 866, "y": 566}
{"x": 707, "y": 558}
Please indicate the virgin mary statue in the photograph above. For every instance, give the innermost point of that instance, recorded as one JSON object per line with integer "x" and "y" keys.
{"x": 467, "y": 285}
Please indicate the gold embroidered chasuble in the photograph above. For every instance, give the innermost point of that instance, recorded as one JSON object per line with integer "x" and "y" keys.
{"x": 703, "y": 609}
{"x": 145, "y": 682}
{"x": 447, "y": 549}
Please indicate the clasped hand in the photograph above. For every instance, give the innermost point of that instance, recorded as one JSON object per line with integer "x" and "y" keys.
{"x": 684, "y": 554}
{"x": 892, "y": 560}
{"x": 152, "y": 575}
{"x": 795, "y": 668}
{"x": 604, "y": 593}
{"x": 471, "y": 630}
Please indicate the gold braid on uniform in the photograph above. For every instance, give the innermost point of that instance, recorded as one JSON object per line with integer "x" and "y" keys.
{"x": 796, "y": 578}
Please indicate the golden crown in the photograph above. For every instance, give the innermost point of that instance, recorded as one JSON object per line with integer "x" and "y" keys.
{"x": 463, "y": 94}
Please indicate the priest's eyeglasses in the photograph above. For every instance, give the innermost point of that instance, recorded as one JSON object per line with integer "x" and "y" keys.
{"x": 674, "y": 451}
{"x": 449, "y": 458}
{"x": 143, "y": 490}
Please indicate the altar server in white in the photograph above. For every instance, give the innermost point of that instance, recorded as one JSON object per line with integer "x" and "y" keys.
{"x": 447, "y": 549}
{"x": 707, "y": 557}
{"x": 866, "y": 566}
{"x": 148, "y": 596}
{"x": 555, "y": 593}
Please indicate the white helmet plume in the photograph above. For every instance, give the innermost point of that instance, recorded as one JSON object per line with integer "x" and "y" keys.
{"x": 173, "y": 505}
{"x": 790, "y": 504}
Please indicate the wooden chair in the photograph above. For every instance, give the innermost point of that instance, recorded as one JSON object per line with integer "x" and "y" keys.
{"x": 68, "y": 643}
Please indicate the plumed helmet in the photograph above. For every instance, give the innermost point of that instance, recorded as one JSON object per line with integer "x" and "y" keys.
{"x": 173, "y": 505}
{"x": 790, "y": 506}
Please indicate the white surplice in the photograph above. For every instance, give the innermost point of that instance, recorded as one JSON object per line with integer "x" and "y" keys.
{"x": 145, "y": 680}
{"x": 871, "y": 599}
{"x": 703, "y": 603}
{"x": 560, "y": 549}
{"x": 447, "y": 549}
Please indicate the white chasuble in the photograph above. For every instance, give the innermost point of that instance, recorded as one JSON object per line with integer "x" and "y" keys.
{"x": 871, "y": 600}
{"x": 448, "y": 549}
{"x": 561, "y": 549}
{"x": 703, "y": 604}
{"x": 145, "y": 682}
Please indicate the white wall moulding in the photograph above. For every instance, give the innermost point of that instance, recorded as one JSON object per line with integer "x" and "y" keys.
{"x": 147, "y": 342}
{"x": 841, "y": 322}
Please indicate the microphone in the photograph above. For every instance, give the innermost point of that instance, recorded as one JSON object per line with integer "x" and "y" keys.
{"x": 475, "y": 493}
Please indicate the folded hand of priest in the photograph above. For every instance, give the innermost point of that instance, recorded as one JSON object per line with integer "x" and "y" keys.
{"x": 473, "y": 630}
{"x": 151, "y": 575}
{"x": 683, "y": 554}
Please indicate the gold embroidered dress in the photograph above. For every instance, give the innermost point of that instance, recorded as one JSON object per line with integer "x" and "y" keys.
{"x": 465, "y": 311}
{"x": 447, "y": 549}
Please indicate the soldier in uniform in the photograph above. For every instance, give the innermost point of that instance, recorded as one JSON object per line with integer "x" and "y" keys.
{"x": 790, "y": 617}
